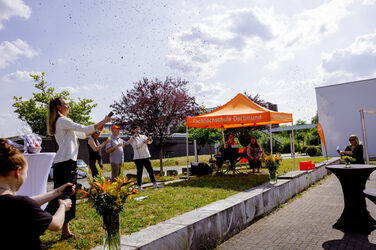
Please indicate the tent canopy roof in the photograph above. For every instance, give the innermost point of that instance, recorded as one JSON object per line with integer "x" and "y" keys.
{"x": 238, "y": 112}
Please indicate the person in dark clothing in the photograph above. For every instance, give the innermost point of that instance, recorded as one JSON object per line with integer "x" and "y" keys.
{"x": 355, "y": 150}
{"x": 22, "y": 219}
{"x": 95, "y": 153}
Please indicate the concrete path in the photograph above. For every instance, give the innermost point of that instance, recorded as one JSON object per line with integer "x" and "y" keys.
{"x": 306, "y": 223}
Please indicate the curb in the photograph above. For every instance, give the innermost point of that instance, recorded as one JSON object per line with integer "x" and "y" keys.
{"x": 206, "y": 227}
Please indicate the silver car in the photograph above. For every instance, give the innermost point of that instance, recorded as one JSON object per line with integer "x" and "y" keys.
{"x": 80, "y": 164}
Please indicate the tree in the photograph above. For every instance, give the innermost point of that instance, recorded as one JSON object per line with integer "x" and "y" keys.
{"x": 34, "y": 110}
{"x": 156, "y": 106}
{"x": 205, "y": 136}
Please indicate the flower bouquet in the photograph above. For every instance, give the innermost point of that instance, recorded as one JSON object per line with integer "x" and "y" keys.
{"x": 109, "y": 199}
{"x": 348, "y": 160}
{"x": 272, "y": 163}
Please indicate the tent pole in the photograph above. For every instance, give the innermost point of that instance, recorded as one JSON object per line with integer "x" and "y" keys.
{"x": 293, "y": 142}
{"x": 223, "y": 136}
{"x": 270, "y": 138}
{"x": 186, "y": 130}
{"x": 364, "y": 132}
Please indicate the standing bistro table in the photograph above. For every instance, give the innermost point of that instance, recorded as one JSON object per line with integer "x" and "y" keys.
{"x": 37, "y": 174}
{"x": 355, "y": 216}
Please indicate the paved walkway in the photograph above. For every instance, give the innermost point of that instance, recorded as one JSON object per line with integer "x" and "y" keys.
{"x": 306, "y": 223}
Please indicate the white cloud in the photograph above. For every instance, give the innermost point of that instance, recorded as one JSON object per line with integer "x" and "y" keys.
{"x": 83, "y": 88}
{"x": 20, "y": 76}
{"x": 11, "y": 51}
{"x": 356, "y": 61}
{"x": 239, "y": 33}
{"x": 12, "y": 8}
{"x": 369, "y": 2}
{"x": 218, "y": 38}
{"x": 305, "y": 29}
{"x": 204, "y": 93}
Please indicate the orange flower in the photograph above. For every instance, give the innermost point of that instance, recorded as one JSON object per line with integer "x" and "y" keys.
{"x": 83, "y": 192}
{"x": 134, "y": 191}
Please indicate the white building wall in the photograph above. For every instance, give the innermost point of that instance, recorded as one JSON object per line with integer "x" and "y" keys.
{"x": 338, "y": 110}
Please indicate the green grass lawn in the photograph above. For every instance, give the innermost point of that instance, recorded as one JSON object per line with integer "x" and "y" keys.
{"x": 160, "y": 205}
{"x": 167, "y": 162}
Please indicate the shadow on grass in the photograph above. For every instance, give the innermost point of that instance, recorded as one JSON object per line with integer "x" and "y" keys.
{"x": 238, "y": 182}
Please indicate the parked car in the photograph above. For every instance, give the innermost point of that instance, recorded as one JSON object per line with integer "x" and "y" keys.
{"x": 80, "y": 164}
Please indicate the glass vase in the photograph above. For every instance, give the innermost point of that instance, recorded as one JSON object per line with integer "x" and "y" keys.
{"x": 273, "y": 176}
{"x": 111, "y": 237}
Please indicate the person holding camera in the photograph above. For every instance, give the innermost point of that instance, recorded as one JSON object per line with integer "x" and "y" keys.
{"x": 66, "y": 133}
{"x": 141, "y": 155}
{"x": 22, "y": 219}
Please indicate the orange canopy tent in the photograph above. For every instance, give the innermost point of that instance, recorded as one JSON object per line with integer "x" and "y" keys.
{"x": 240, "y": 112}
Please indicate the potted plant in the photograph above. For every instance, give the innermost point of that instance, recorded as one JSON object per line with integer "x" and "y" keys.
{"x": 109, "y": 199}
{"x": 272, "y": 163}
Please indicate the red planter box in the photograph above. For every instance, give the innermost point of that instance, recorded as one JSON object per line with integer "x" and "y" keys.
{"x": 306, "y": 165}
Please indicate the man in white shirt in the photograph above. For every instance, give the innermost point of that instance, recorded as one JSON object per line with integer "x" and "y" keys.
{"x": 141, "y": 156}
{"x": 115, "y": 148}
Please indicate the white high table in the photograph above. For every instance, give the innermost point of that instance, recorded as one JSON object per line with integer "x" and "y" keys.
{"x": 37, "y": 174}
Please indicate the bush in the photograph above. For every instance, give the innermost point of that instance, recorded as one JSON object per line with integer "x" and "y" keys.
{"x": 319, "y": 153}
{"x": 312, "y": 151}
{"x": 304, "y": 149}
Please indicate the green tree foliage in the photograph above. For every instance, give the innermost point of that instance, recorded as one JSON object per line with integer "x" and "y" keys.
{"x": 205, "y": 136}
{"x": 34, "y": 110}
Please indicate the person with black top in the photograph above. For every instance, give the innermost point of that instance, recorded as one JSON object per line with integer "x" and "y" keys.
{"x": 355, "y": 150}
{"x": 22, "y": 219}
{"x": 95, "y": 154}
{"x": 230, "y": 151}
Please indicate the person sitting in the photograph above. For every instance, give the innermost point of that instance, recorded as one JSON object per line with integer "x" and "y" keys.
{"x": 231, "y": 149}
{"x": 22, "y": 219}
{"x": 254, "y": 154}
{"x": 355, "y": 150}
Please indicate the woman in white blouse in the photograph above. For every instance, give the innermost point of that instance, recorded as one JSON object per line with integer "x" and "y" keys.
{"x": 66, "y": 133}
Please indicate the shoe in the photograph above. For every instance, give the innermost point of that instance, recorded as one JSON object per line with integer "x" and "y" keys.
{"x": 139, "y": 188}
{"x": 157, "y": 186}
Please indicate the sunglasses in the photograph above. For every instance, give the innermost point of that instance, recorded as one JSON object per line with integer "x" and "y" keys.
{"x": 351, "y": 140}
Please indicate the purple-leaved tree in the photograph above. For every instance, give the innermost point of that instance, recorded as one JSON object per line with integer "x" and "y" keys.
{"x": 157, "y": 107}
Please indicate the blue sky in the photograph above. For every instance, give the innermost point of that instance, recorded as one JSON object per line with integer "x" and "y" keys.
{"x": 280, "y": 50}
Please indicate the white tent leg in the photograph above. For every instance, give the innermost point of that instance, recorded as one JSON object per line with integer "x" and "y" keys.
{"x": 364, "y": 132}
{"x": 270, "y": 138}
{"x": 186, "y": 130}
{"x": 293, "y": 143}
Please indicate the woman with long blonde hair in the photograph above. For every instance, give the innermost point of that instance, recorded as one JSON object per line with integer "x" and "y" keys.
{"x": 355, "y": 150}
{"x": 66, "y": 133}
